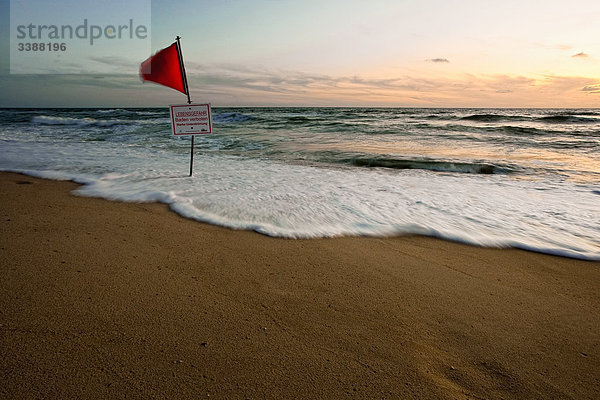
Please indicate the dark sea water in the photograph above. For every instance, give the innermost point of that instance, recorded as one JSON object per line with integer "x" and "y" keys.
{"x": 527, "y": 178}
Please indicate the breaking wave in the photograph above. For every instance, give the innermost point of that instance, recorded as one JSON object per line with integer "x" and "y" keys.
{"x": 48, "y": 120}
{"x": 227, "y": 118}
{"x": 491, "y": 118}
{"x": 567, "y": 119}
{"x": 430, "y": 165}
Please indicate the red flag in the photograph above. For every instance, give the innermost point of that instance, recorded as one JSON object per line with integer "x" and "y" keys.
{"x": 165, "y": 68}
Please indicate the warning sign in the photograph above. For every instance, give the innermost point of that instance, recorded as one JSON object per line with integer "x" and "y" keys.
{"x": 191, "y": 119}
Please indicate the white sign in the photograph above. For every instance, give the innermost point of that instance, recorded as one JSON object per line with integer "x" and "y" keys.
{"x": 191, "y": 119}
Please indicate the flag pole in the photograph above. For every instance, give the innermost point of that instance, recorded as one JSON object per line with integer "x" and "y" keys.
{"x": 187, "y": 92}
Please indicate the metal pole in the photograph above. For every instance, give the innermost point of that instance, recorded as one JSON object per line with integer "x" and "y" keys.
{"x": 192, "y": 156}
{"x": 183, "y": 74}
{"x": 187, "y": 92}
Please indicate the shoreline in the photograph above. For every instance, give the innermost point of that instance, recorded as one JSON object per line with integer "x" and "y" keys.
{"x": 522, "y": 247}
{"x": 103, "y": 299}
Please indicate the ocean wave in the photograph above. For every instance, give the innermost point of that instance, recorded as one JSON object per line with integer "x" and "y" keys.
{"x": 232, "y": 117}
{"x": 568, "y": 119}
{"x": 492, "y": 118}
{"x": 81, "y": 122}
{"x": 304, "y": 120}
{"x": 114, "y": 110}
{"x": 525, "y": 131}
{"x": 511, "y": 130}
{"x": 588, "y": 112}
{"x": 430, "y": 165}
{"x": 477, "y": 212}
{"x": 123, "y": 111}
{"x": 579, "y": 118}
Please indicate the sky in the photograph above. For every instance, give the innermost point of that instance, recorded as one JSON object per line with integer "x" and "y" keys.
{"x": 402, "y": 53}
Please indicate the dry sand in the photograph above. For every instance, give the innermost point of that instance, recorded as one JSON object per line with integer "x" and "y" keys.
{"x": 102, "y": 300}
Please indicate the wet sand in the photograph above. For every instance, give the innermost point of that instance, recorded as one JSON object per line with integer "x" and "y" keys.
{"x": 100, "y": 299}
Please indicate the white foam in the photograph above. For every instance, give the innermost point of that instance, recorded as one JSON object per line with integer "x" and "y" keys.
{"x": 113, "y": 110}
{"x": 51, "y": 120}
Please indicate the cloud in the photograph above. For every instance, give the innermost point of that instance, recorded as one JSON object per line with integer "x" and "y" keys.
{"x": 563, "y": 46}
{"x": 554, "y": 46}
{"x": 590, "y": 89}
{"x": 580, "y": 55}
{"x": 229, "y": 84}
{"x": 438, "y": 60}
{"x": 119, "y": 63}
{"x": 262, "y": 85}
{"x": 234, "y": 77}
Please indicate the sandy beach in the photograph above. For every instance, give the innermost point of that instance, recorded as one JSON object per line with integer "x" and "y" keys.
{"x": 102, "y": 300}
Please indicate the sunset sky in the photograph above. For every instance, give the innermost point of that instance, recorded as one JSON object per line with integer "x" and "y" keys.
{"x": 334, "y": 53}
